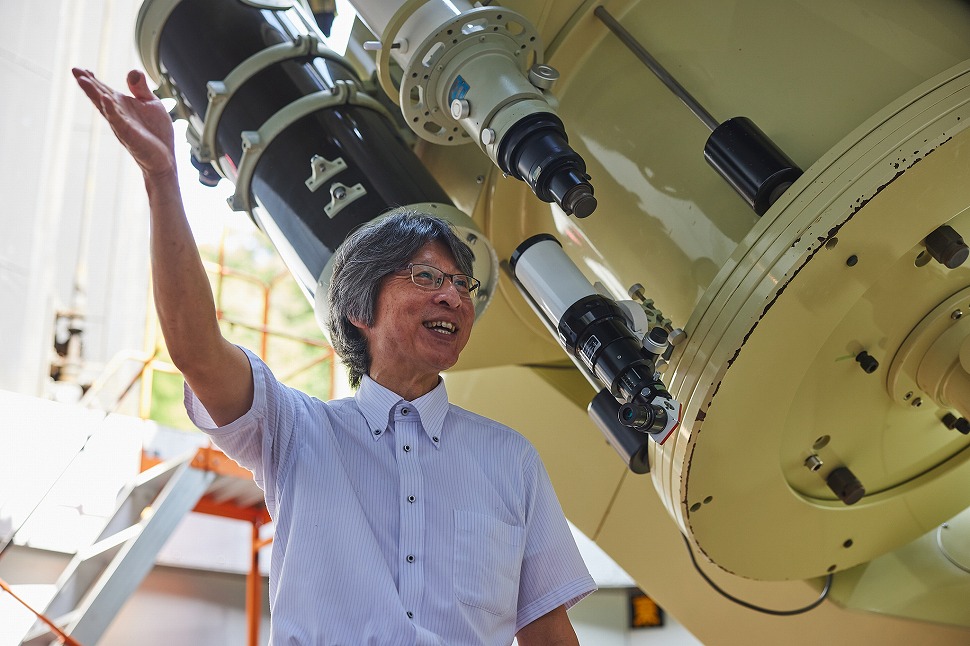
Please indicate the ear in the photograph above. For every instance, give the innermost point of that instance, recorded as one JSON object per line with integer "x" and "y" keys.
{"x": 357, "y": 323}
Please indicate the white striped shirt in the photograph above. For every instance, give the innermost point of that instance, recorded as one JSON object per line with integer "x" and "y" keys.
{"x": 400, "y": 522}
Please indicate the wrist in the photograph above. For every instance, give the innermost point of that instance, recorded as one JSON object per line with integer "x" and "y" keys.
{"x": 162, "y": 185}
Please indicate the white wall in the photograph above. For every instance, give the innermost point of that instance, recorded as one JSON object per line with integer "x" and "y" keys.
{"x": 74, "y": 212}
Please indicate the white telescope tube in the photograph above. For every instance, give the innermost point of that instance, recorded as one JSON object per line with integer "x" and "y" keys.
{"x": 549, "y": 276}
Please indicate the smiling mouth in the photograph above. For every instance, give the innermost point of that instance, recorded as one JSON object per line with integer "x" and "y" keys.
{"x": 441, "y": 327}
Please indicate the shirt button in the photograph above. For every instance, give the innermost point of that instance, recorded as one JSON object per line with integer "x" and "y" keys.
{"x": 410, "y": 498}
{"x": 435, "y": 438}
{"x": 377, "y": 431}
{"x": 407, "y": 447}
{"x": 410, "y": 615}
{"x": 410, "y": 558}
{"x": 405, "y": 411}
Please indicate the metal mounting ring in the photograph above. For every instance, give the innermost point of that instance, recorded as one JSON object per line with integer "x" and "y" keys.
{"x": 483, "y": 26}
{"x": 220, "y": 92}
{"x": 255, "y": 142}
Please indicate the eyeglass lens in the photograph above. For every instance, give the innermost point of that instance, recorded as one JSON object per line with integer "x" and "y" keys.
{"x": 432, "y": 278}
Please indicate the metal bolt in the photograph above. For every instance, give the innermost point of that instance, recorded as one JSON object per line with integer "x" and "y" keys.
{"x": 460, "y": 108}
{"x": 961, "y": 424}
{"x": 868, "y": 363}
{"x": 916, "y": 403}
{"x": 677, "y": 336}
{"x": 543, "y": 76}
{"x": 947, "y": 247}
{"x": 488, "y": 136}
{"x": 636, "y": 291}
{"x": 339, "y": 193}
{"x": 845, "y": 485}
{"x": 956, "y": 315}
{"x": 813, "y": 462}
{"x": 907, "y": 396}
{"x": 480, "y": 179}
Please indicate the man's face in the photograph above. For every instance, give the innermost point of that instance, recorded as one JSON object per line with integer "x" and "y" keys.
{"x": 418, "y": 332}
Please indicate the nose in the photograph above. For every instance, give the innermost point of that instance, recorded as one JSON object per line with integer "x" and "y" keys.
{"x": 448, "y": 295}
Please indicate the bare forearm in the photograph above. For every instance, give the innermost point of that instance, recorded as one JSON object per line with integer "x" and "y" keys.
{"x": 183, "y": 297}
{"x": 552, "y": 629}
{"x": 217, "y": 371}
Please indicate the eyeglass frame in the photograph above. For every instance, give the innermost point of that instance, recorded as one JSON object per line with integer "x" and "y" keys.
{"x": 474, "y": 282}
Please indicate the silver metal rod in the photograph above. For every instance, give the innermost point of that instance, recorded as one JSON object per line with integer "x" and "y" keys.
{"x": 634, "y": 46}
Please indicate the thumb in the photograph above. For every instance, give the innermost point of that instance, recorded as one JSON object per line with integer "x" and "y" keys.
{"x": 139, "y": 86}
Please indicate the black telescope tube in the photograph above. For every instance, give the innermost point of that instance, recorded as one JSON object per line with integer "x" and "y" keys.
{"x": 204, "y": 40}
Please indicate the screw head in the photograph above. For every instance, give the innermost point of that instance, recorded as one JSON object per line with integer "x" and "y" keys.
{"x": 962, "y": 425}
{"x": 488, "y": 136}
{"x": 543, "y": 76}
{"x": 460, "y": 108}
{"x": 956, "y": 315}
{"x": 677, "y": 336}
{"x": 813, "y": 462}
{"x": 947, "y": 247}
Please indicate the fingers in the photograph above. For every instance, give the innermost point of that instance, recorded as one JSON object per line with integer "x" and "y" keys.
{"x": 91, "y": 87}
{"x": 98, "y": 91}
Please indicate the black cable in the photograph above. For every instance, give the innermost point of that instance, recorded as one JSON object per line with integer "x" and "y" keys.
{"x": 750, "y": 606}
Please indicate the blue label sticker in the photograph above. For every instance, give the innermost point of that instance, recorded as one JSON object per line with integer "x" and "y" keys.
{"x": 458, "y": 89}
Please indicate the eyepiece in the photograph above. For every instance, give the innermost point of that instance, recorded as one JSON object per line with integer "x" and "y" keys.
{"x": 634, "y": 415}
{"x": 579, "y": 199}
{"x": 537, "y": 151}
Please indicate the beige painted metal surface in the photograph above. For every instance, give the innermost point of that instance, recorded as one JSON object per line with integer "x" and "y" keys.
{"x": 772, "y": 374}
{"x": 870, "y": 99}
{"x": 623, "y": 514}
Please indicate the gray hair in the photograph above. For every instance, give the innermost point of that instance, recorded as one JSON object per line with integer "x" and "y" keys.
{"x": 370, "y": 253}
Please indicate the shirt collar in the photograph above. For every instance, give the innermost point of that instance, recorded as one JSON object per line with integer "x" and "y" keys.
{"x": 377, "y": 404}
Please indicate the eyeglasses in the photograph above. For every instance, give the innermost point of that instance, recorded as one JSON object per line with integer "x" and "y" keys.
{"x": 430, "y": 277}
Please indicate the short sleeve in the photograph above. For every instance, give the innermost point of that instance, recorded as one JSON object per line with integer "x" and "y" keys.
{"x": 261, "y": 439}
{"x": 553, "y": 572}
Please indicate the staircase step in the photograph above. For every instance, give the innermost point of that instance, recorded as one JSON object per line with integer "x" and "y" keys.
{"x": 41, "y": 634}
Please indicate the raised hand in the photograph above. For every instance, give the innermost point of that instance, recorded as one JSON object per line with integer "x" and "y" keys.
{"x": 140, "y": 121}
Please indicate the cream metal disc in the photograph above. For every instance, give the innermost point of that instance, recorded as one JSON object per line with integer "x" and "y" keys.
{"x": 769, "y": 378}
{"x": 953, "y": 539}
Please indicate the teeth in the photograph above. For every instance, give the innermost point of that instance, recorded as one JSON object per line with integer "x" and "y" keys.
{"x": 441, "y": 327}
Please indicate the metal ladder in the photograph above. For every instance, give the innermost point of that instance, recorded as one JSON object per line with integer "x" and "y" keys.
{"x": 101, "y": 577}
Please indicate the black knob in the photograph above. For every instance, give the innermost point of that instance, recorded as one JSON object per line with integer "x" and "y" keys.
{"x": 947, "y": 247}
{"x": 845, "y": 485}
{"x": 867, "y": 361}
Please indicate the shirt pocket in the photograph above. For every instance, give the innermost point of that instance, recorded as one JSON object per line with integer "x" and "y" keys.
{"x": 488, "y": 560}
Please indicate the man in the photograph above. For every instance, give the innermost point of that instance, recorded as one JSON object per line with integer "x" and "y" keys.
{"x": 399, "y": 518}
